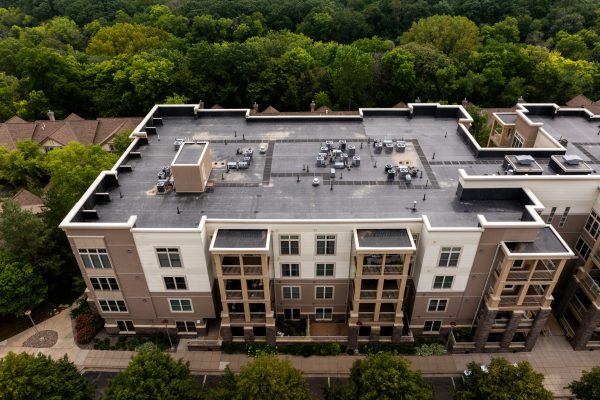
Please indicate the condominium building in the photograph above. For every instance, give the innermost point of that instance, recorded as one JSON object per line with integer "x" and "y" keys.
{"x": 379, "y": 226}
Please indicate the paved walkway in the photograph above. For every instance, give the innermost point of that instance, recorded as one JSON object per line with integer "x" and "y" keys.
{"x": 552, "y": 356}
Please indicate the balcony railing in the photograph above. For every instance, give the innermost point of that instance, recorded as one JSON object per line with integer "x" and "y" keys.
{"x": 236, "y": 316}
{"x": 366, "y": 316}
{"x": 233, "y": 294}
{"x": 371, "y": 270}
{"x": 390, "y": 294}
{"x": 252, "y": 270}
{"x": 256, "y": 294}
{"x": 590, "y": 285}
{"x": 368, "y": 294}
{"x": 257, "y": 316}
{"x": 392, "y": 269}
{"x": 387, "y": 316}
{"x": 231, "y": 270}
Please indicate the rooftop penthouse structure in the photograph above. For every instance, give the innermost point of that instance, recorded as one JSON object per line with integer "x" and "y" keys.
{"x": 376, "y": 226}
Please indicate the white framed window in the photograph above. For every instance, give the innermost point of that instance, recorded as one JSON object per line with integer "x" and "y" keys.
{"x": 582, "y": 248}
{"x": 291, "y": 292}
{"x": 449, "y": 256}
{"x": 112, "y": 305}
{"x": 185, "y": 326}
{"x": 104, "y": 283}
{"x": 289, "y": 245}
{"x": 290, "y": 270}
{"x": 291, "y": 313}
{"x": 126, "y": 326}
{"x": 592, "y": 225}
{"x": 324, "y": 292}
{"x": 563, "y": 218}
{"x": 325, "y": 269}
{"x": 518, "y": 141}
{"x": 323, "y": 314}
{"x": 181, "y": 305}
{"x": 443, "y": 281}
{"x": 326, "y": 245}
{"x": 95, "y": 258}
{"x": 437, "y": 305}
{"x": 175, "y": 282}
{"x": 551, "y": 215}
{"x": 168, "y": 257}
{"x": 432, "y": 326}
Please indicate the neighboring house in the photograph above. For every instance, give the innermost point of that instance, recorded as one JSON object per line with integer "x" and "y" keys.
{"x": 51, "y": 134}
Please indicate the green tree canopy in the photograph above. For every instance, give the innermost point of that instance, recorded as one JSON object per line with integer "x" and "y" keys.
{"x": 588, "y": 386}
{"x": 502, "y": 381}
{"x": 21, "y": 286}
{"x": 266, "y": 377}
{"x": 454, "y": 36}
{"x": 27, "y": 377}
{"x": 153, "y": 375}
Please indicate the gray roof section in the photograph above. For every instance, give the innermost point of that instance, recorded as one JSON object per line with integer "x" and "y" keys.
{"x": 241, "y": 239}
{"x": 546, "y": 242}
{"x": 384, "y": 238}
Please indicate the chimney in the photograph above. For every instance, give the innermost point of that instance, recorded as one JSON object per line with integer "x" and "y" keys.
{"x": 312, "y": 106}
{"x": 255, "y": 106}
{"x": 51, "y": 115}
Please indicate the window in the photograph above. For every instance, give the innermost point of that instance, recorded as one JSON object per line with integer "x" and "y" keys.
{"x": 443, "y": 282}
{"x": 291, "y": 292}
{"x": 432, "y": 326}
{"x": 290, "y": 245}
{"x": 582, "y": 248}
{"x": 518, "y": 141}
{"x": 325, "y": 269}
{"x": 168, "y": 257}
{"x": 449, "y": 256}
{"x": 185, "y": 326}
{"x": 323, "y": 313}
{"x": 551, "y": 216}
{"x": 125, "y": 326}
{"x": 112, "y": 305}
{"x": 291, "y": 313}
{"x": 175, "y": 282}
{"x": 592, "y": 224}
{"x": 324, "y": 292}
{"x": 290, "y": 270}
{"x": 104, "y": 283}
{"x": 95, "y": 258}
{"x": 563, "y": 218}
{"x": 180, "y": 305}
{"x": 326, "y": 245}
{"x": 437, "y": 305}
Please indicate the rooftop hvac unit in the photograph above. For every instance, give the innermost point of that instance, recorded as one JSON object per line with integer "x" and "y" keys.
{"x": 524, "y": 160}
{"x": 572, "y": 159}
{"x": 356, "y": 161}
{"x": 351, "y": 150}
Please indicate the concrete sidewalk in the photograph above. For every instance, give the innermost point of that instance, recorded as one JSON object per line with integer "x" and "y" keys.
{"x": 552, "y": 356}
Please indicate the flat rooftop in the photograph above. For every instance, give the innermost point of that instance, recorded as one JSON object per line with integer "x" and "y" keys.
{"x": 279, "y": 183}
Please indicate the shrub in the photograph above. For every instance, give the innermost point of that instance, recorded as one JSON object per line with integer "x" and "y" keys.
{"x": 433, "y": 349}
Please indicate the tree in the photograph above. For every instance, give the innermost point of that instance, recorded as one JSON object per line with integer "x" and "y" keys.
{"x": 267, "y": 377}
{"x": 385, "y": 376}
{"x": 588, "y": 386}
{"x": 28, "y": 377}
{"x": 502, "y": 381}
{"x": 21, "y": 286}
{"x": 351, "y": 73}
{"x": 153, "y": 375}
{"x": 454, "y": 36}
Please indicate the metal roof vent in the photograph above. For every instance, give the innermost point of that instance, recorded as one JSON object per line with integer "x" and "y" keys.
{"x": 572, "y": 159}
{"x": 524, "y": 160}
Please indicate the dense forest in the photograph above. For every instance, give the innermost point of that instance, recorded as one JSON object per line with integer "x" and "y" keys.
{"x": 119, "y": 57}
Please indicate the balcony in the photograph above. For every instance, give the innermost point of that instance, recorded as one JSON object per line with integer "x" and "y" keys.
{"x": 368, "y": 294}
{"x": 231, "y": 270}
{"x": 371, "y": 269}
{"x": 233, "y": 294}
{"x": 256, "y": 294}
{"x": 252, "y": 270}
